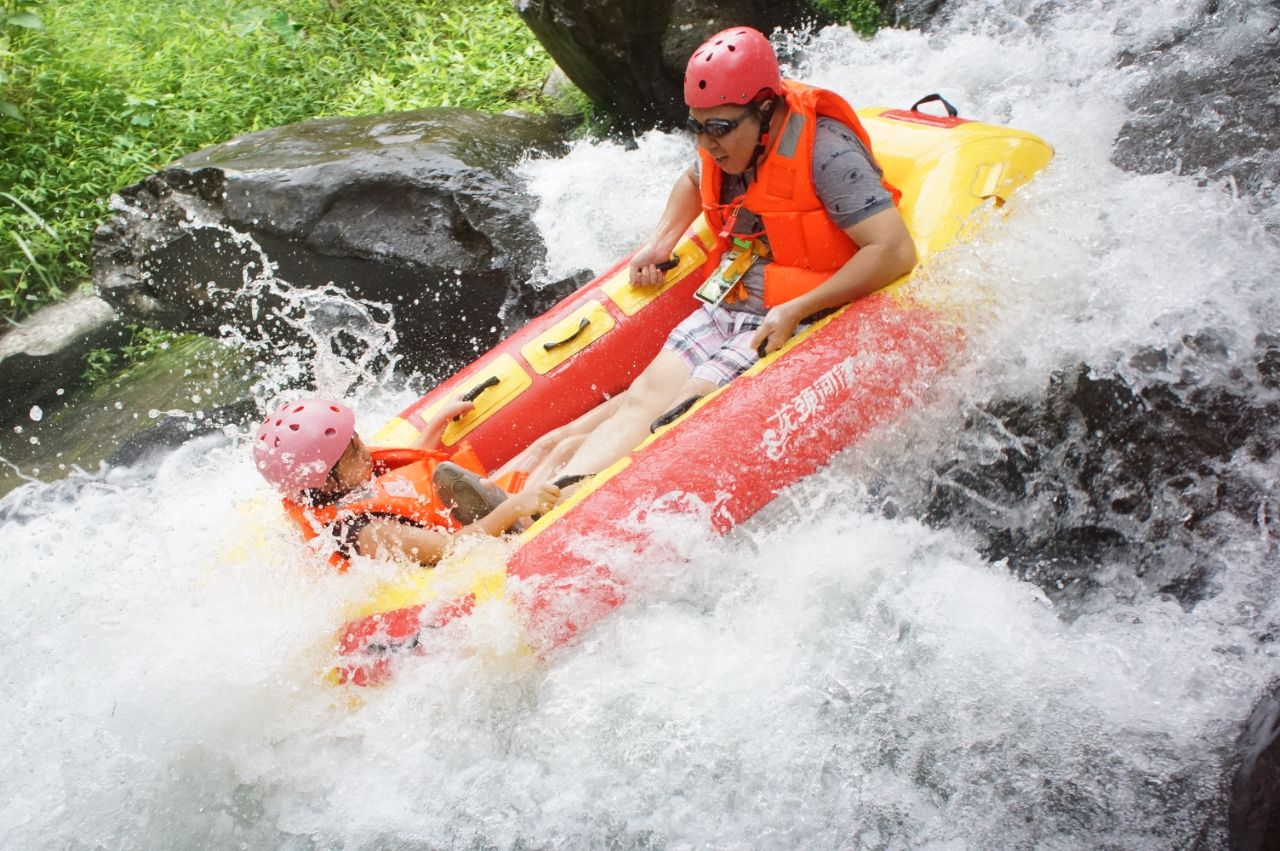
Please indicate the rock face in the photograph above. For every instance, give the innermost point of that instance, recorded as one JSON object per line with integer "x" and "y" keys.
{"x": 419, "y": 210}
{"x": 912, "y": 13}
{"x": 1156, "y": 471}
{"x": 1210, "y": 105}
{"x": 1255, "y": 789}
{"x": 629, "y": 57}
{"x": 46, "y": 353}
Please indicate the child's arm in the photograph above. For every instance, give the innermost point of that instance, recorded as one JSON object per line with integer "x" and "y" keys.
{"x": 385, "y": 536}
{"x": 536, "y": 499}
{"x": 430, "y": 437}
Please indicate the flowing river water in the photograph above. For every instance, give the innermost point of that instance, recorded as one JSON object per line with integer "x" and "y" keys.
{"x": 1035, "y": 614}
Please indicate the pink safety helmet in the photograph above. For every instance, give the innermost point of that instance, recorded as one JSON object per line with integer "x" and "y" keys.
{"x": 297, "y": 446}
{"x": 732, "y": 66}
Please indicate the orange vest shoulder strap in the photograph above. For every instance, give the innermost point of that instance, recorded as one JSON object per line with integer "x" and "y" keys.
{"x": 792, "y": 154}
{"x": 389, "y": 458}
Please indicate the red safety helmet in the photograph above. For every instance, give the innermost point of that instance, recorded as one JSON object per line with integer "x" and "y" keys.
{"x": 732, "y": 66}
{"x": 297, "y": 446}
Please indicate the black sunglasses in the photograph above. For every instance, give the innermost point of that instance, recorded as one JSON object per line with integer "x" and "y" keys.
{"x": 717, "y": 127}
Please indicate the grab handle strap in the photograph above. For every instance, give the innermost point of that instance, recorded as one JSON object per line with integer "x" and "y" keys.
{"x": 951, "y": 110}
{"x": 470, "y": 395}
{"x": 582, "y": 326}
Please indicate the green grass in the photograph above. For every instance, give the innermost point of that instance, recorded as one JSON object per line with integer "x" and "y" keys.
{"x": 110, "y": 90}
{"x": 864, "y": 16}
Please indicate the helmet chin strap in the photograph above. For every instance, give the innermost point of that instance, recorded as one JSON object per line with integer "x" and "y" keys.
{"x": 762, "y": 140}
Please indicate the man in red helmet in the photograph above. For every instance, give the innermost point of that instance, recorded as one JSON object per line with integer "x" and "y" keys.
{"x": 786, "y": 177}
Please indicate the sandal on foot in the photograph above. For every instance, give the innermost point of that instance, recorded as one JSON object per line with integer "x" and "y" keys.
{"x": 468, "y": 496}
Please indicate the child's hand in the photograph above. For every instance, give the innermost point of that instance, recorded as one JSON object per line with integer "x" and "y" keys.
{"x": 537, "y": 499}
{"x": 455, "y": 408}
{"x": 432, "y": 429}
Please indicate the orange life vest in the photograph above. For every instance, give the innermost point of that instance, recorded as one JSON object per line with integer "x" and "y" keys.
{"x": 806, "y": 246}
{"x": 401, "y": 489}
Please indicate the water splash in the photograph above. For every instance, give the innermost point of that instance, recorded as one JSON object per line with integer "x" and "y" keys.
{"x": 317, "y": 337}
{"x": 858, "y": 668}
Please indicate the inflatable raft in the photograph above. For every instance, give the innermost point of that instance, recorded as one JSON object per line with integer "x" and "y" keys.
{"x": 731, "y": 453}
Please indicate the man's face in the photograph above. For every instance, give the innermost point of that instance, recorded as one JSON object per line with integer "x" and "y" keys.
{"x": 731, "y": 151}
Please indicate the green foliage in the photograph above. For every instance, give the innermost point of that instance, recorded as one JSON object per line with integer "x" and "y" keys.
{"x": 12, "y": 20}
{"x": 143, "y": 343}
{"x": 864, "y": 16}
{"x": 96, "y": 94}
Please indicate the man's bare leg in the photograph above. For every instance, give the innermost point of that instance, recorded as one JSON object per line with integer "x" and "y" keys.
{"x": 652, "y": 393}
{"x": 558, "y": 445}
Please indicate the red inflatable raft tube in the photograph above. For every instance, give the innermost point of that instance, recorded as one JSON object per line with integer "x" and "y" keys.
{"x": 853, "y": 372}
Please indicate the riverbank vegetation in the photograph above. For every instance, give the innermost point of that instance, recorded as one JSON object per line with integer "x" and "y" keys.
{"x": 96, "y": 94}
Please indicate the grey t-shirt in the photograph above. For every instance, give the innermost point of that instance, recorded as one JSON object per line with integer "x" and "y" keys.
{"x": 848, "y": 183}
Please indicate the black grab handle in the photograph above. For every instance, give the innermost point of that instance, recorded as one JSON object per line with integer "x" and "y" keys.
{"x": 668, "y": 265}
{"x": 951, "y": 110}
{"x": 470, "y": 395}
{"x": 582, "y": 326}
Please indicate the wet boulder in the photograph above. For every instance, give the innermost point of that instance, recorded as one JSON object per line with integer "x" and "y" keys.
{"x": 420, "y": 211}
{"x": 1156, "y": 464}
{"x": 629, "y": 58}
{"x": 1254, "y": 816}
{"x": 44, "y": 355}
{"x": 1209, "y": 107}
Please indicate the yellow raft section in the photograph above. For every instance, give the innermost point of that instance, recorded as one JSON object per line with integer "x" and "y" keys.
{"x": 946, "y": 175}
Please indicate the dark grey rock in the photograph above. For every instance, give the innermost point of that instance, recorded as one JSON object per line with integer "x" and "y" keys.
{"x": 912, "y": 13}
{"x": 1210, "y": 106}
{"x": 1146, "y": 470}
{"x": 1254, "y": 818}
{"x": 46, "y": 352}
{"x": 419, "y": 210}
{"x": 629, "y": 57}
{"x": 188, "y": 388}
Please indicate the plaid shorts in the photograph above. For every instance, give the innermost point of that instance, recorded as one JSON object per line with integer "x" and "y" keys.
{"x": 716, "y": 343}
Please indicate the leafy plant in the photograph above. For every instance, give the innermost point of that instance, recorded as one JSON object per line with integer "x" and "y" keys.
{"x": 111, "y": 90}
{"x": 11, "y": 18}
{"x": 864, "y": 16}
{"x": 249, "y": 21}
{"x": 101, "y": 364}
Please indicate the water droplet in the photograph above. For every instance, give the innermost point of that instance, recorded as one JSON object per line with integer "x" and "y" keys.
{"x": 36, "y": 414}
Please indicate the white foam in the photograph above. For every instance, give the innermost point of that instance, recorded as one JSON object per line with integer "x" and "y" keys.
{"x": 832, "y": 679}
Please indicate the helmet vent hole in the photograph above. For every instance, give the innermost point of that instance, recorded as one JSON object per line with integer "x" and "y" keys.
{"x": 330, "y": 432}
{"x": 294, "y": 426}
{"x": 702, "y": 84}
{"x": 299, "y": 409}
{"x": 334, "y": 408}
{"x": 732, "y": 48}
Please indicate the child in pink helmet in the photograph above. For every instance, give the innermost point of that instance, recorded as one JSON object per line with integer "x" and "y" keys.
{"x": 406, "y": 503}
